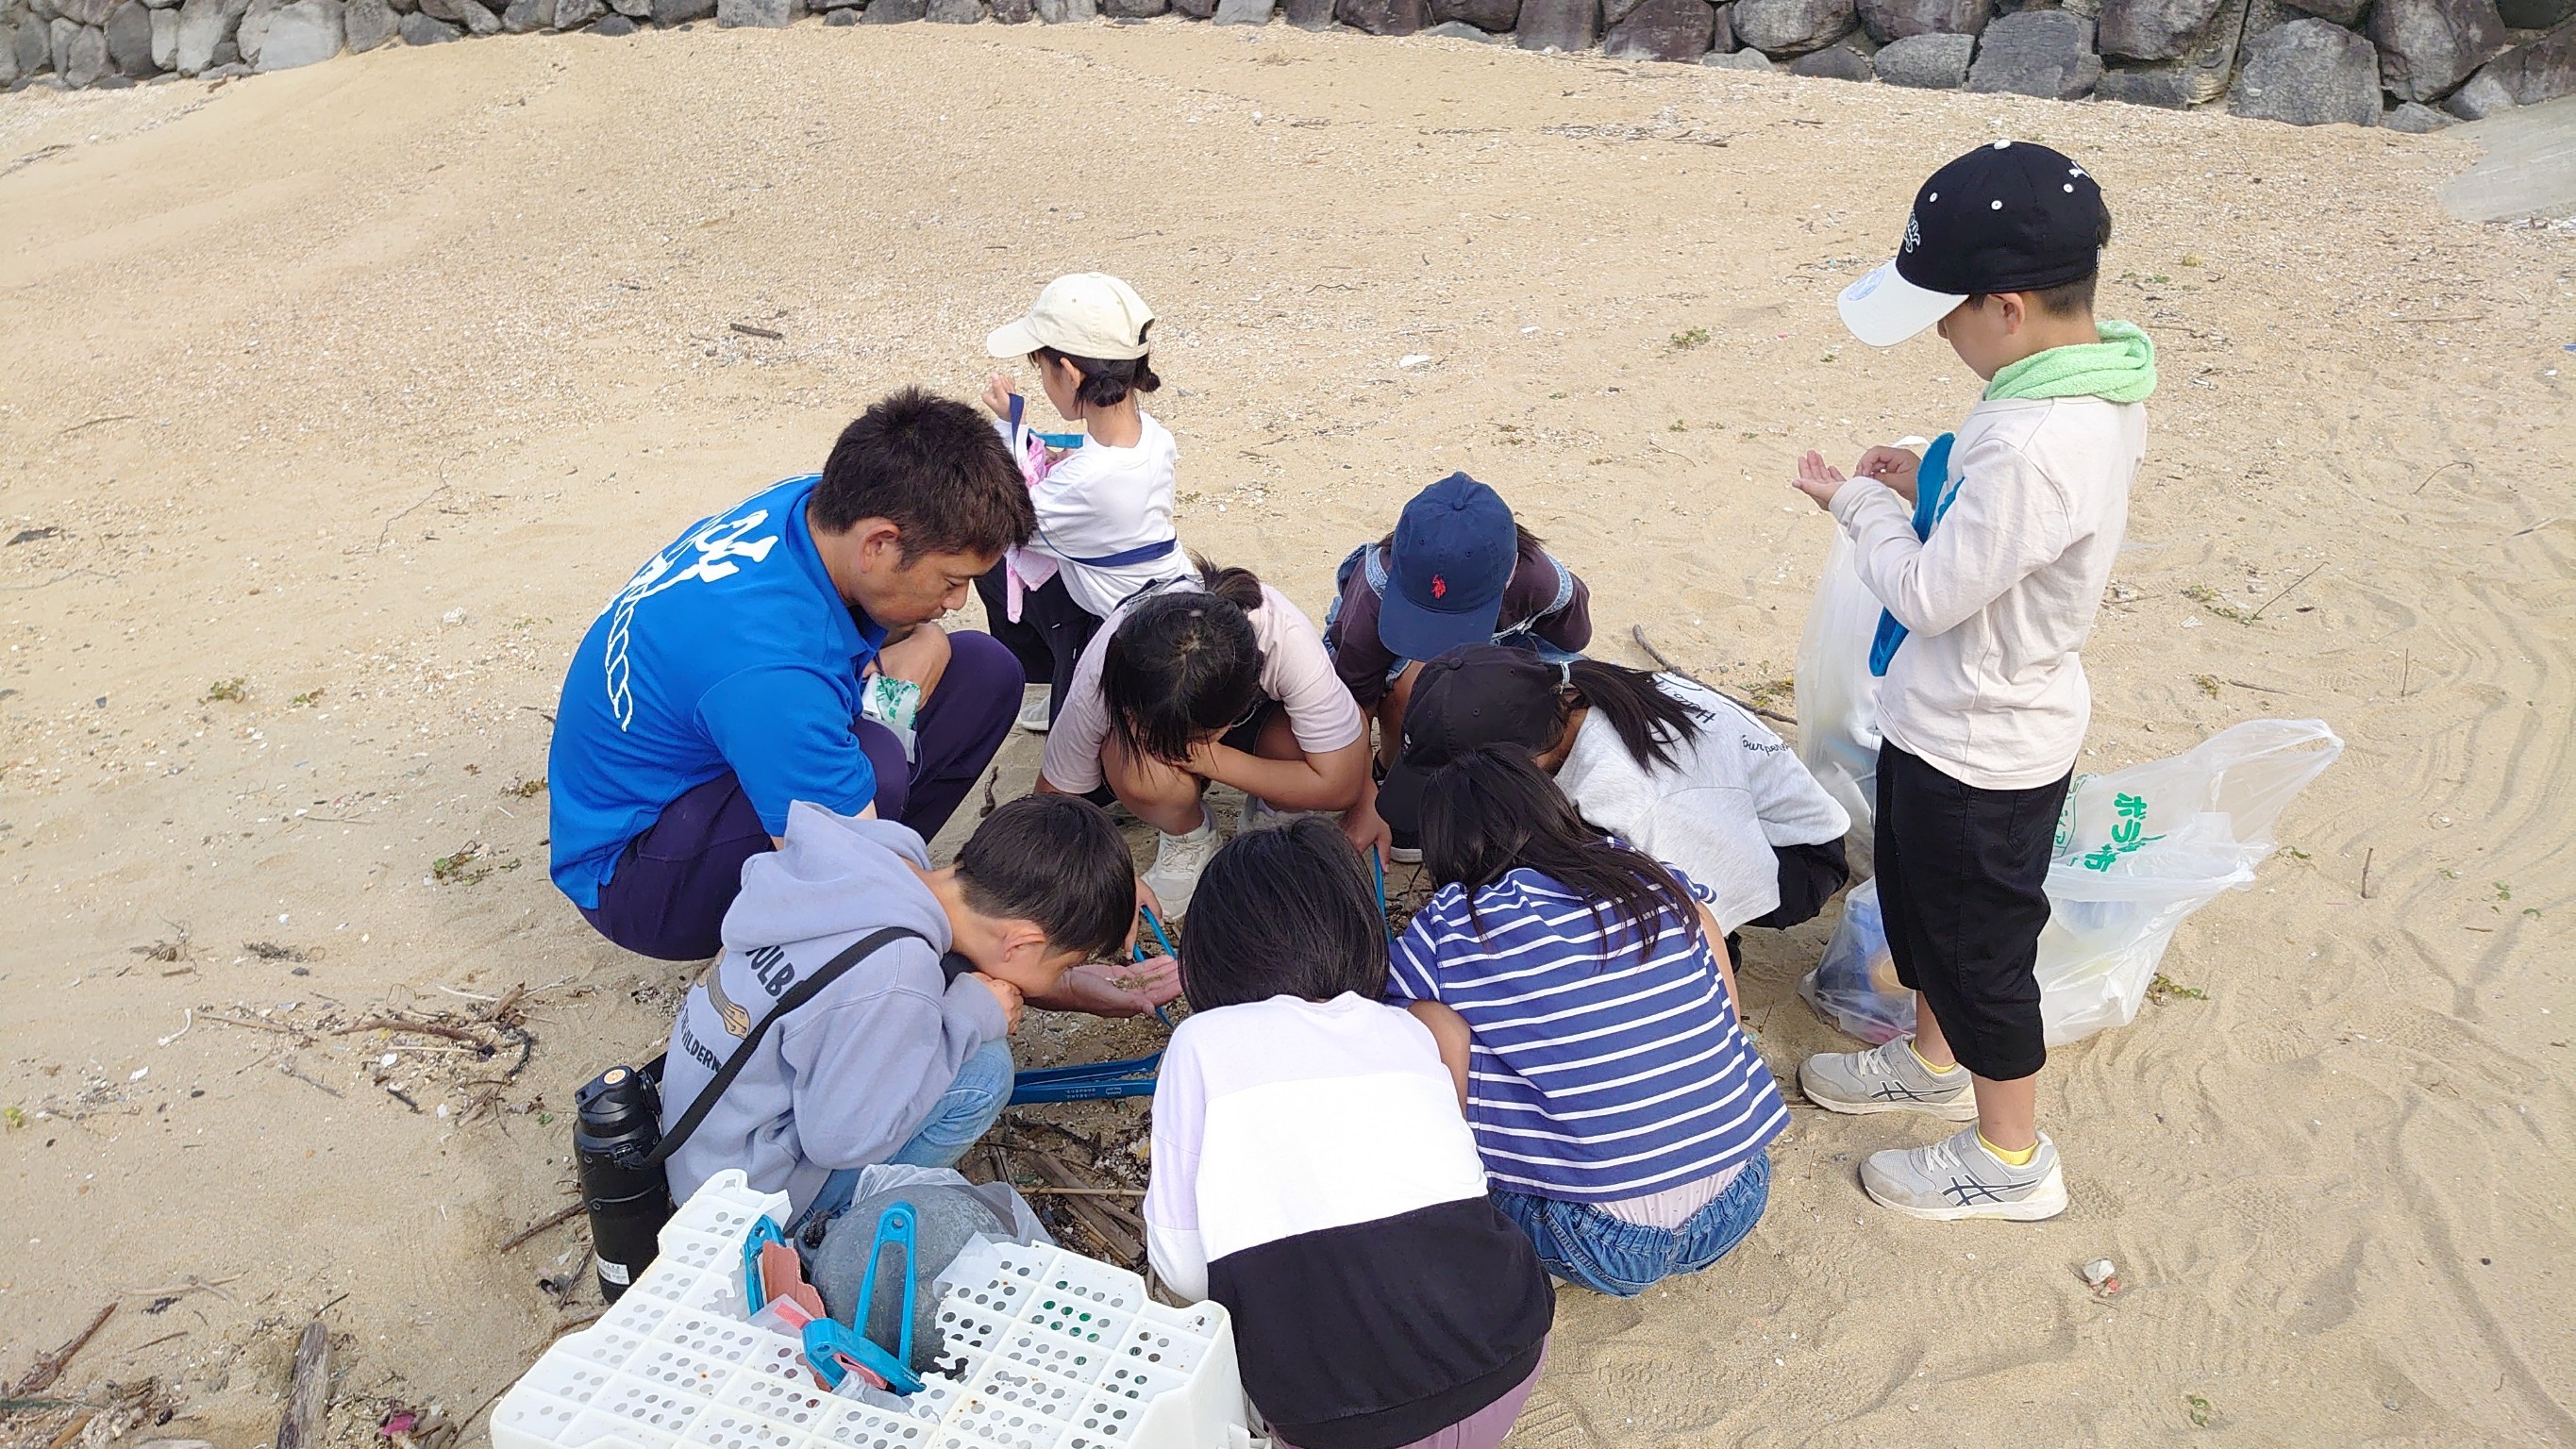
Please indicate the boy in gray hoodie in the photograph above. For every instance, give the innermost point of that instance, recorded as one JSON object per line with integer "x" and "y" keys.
{"x": 904, "y": 1058}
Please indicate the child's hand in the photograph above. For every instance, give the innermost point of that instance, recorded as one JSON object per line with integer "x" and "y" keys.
{"x": 1817, "y": 480}
{"x": 997, "y": 394}
{"x": 1008, "y": 995}
{"x": 1892, "y": 466}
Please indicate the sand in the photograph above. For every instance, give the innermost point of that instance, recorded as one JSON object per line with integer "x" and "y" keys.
{"x": 366, "y": 385}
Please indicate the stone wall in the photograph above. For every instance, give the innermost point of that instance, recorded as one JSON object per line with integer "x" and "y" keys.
{"x": 2409, "y": 64}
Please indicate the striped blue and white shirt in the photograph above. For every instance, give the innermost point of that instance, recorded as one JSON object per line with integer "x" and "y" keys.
{"x": 1600, "y": 1071}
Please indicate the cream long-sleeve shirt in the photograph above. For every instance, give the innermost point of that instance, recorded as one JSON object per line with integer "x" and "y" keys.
{"x": 1988, "y": 686}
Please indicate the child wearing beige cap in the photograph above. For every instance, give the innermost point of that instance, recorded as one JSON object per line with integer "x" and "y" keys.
{"x": 1104, "y": 507}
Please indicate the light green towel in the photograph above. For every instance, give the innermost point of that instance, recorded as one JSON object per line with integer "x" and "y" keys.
{"x": 2120, "y": 368}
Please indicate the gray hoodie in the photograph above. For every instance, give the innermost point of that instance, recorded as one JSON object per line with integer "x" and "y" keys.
{"x": 847, "y": 1078}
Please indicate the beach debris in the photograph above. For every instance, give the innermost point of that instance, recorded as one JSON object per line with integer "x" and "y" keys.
{"x": 173, "y": 949}
{"x": 48, "y": 1367}
{"x": 308, "y": 1392}
{"x": 561, "y": 1215}
{"x": 747, "y": 330}
{"x": 1413, "y": 359}
{"x": 2102, "y": 1276}
{"x": 32, "y": 535}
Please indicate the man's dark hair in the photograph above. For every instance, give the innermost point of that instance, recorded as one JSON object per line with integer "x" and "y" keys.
{"x": 2075, "y": 298}
{"x": 934, "y": 467}
{"x": 1493, "y": 811}
{"x": 1184, "y": 664}
{"x": 1288, "y": 911}
{"x": 1057, "y": 861}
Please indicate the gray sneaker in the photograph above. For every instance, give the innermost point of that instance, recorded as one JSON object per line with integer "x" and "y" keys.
{"x": 1887, "y": 1078}
{"x": 1959, "y": 1178}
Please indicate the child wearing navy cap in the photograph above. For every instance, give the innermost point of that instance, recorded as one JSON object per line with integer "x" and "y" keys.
{"x": 1457, "y": 570}
{"x": 1990, "y": 552}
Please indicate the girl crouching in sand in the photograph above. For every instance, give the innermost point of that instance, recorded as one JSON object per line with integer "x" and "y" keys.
{"x": 1312, "y": 1174}
{"x": 1621, "y": 1110}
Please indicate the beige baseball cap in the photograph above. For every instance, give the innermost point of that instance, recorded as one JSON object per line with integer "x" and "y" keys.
{"x": 1087, "y": 314}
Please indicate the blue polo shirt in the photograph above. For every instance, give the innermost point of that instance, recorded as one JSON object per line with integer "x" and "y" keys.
{"x": 729, "y": 650}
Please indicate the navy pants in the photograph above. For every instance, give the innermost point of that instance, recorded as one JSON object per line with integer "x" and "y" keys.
{"x": 672, "y": 886}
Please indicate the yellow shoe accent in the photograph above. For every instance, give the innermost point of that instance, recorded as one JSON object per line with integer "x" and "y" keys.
{"x": 1927, "y": 1066}
{"x": 2009, "y": 1159}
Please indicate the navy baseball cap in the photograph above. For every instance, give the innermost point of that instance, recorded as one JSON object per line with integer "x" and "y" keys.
{"x": 1454, "y": 552}
{"x": 1485, "y": 694}
{"x": 2010, "y": 217}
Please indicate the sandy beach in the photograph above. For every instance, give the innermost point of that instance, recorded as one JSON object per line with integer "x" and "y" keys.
{"x": 335, "y": 403}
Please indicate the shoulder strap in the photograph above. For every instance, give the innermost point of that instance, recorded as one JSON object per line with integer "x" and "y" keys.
{"x": 797, "y": 995}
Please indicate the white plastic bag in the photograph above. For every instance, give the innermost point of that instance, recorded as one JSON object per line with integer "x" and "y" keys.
{"x": 1837, "y": 695}
{"x": 2137, "y": 851}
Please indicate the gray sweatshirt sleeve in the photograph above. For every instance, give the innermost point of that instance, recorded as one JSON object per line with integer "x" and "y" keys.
{"x": 866, "y": 1073}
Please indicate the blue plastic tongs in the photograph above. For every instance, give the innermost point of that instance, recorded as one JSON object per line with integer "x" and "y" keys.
{"x": 1098, "y": 1081}
{"x": 834, "y": 1347}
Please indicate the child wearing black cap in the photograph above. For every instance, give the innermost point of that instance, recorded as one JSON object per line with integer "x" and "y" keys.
{"x": 1457, "y": 570}
{"x": 1990, "y": 553}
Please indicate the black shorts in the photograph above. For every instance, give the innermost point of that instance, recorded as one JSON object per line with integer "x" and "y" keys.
{"x": 1246, "y": 735}
{"x": 1962, "y": 885}
{"x": 1809, "y": 876}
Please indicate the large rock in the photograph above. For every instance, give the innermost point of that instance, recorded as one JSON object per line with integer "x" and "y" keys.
{"x": 2199, "y": 77}
{"x": 1244, "y": 12}
{"x": 84, "y": 12}
{"x": 2427, "y": 47}
{"x": 1747, "y": 59}
{"x": 420, "y": 29}
{"x": 671, "y": 12}
{"x": 80, "y": 53}
{"x": 366, "y": 24}
{"x": 1383, "y": 17}
{"x": 1847, "y": 59}
{"x": 2534, "y": 14}
{"x": 1196, "y": 9}
{"x": 300, "y": 33}
{"x": 479, "y": 18}
{"x": 1657, "y": 30}
{"x": 2414, "y": 118}
{"x": 8, "y": 54}
{"x": 33, "y": 47}
{"x": 165, "y": 39}
{"x": 765, "y": 14}
{"x": 954, "y": 12}
{"x": 574, "y": 14}
{"x": 615, "y": 27}
{"x": 2524, "y": 76}
{"x": 1780, "y": 28}
{"x": 2156, "y": 29}
{"x": 2308, "y": 73}
{"x": 2045, "y": 53}
{"x": 1497, "y": 16}
{"x": 1063, "y": 12}
{"x": 129, "y": 39}
{"x": 1926, "y": 62}
{"x": 1014, "y": 12}
{"x": 1567, "y": 25}
{"x": 1307, "y": 14}
{"x": 203, "y": 25}
{"x": 525, "y": 17}
{"x": 1134, "y": 9}
{"x": 2341, "y": 12}
{"x": 1896, "y": 19}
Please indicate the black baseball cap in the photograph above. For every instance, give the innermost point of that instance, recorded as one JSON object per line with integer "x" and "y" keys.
{"x": 2014, "y": 216}
{"x": 1483, "y": 694}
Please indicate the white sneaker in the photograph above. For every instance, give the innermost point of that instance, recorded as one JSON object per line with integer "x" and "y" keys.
{"x": 1178, "y": 859}
{"x": 1958, "y": 1178}
{"x": 1033, "y": 710}
{"x": 1260, "y": 814}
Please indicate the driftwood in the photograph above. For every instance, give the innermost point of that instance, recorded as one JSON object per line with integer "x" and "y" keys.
{"x": 308, "y": 1392}
{"x": 1638, "y": 631}
{"x": 563, "y": 1214}
{"x": 49, "y": 1366}
{"x": 1101, "y": 1219}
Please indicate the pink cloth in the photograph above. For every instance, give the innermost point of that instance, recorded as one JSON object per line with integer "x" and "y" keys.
{"x": 1026, "y": 570}
{"x": 1483, "y": 1429}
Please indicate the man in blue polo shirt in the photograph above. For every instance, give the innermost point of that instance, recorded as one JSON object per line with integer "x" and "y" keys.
{"x": 729, "y": 677}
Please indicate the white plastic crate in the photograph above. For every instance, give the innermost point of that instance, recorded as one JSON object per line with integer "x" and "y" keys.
{"x": 1046, "y": 1350}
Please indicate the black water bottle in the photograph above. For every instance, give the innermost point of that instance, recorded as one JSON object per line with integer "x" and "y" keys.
{"x": 617, "y": 1124}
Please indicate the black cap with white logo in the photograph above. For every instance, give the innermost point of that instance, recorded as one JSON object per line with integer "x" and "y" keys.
{"x": 2010, "y": 217}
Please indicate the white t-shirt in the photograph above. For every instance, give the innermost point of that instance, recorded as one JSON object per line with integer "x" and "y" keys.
{"x": 1295, "y": 671}
{"x": 1097, "y": 502}
{"x": 1730, "y": 795}
{"x": 1988, "y": 687}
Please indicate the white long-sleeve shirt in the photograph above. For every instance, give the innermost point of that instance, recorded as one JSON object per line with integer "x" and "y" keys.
{"x": 1988, "y": 686}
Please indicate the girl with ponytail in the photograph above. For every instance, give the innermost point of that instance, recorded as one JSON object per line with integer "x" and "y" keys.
{"x": 1673, "y": 768}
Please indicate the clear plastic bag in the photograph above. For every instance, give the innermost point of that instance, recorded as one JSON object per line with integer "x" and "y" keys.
{"x": 1837, "y": 695}
{"x": 2137, "y": 851}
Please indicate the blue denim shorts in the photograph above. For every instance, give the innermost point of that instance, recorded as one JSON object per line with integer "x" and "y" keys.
{"x": 1582, "y": 1244}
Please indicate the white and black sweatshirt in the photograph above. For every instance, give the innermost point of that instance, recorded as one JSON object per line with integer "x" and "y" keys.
{"x": 1313, "y": 1174}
